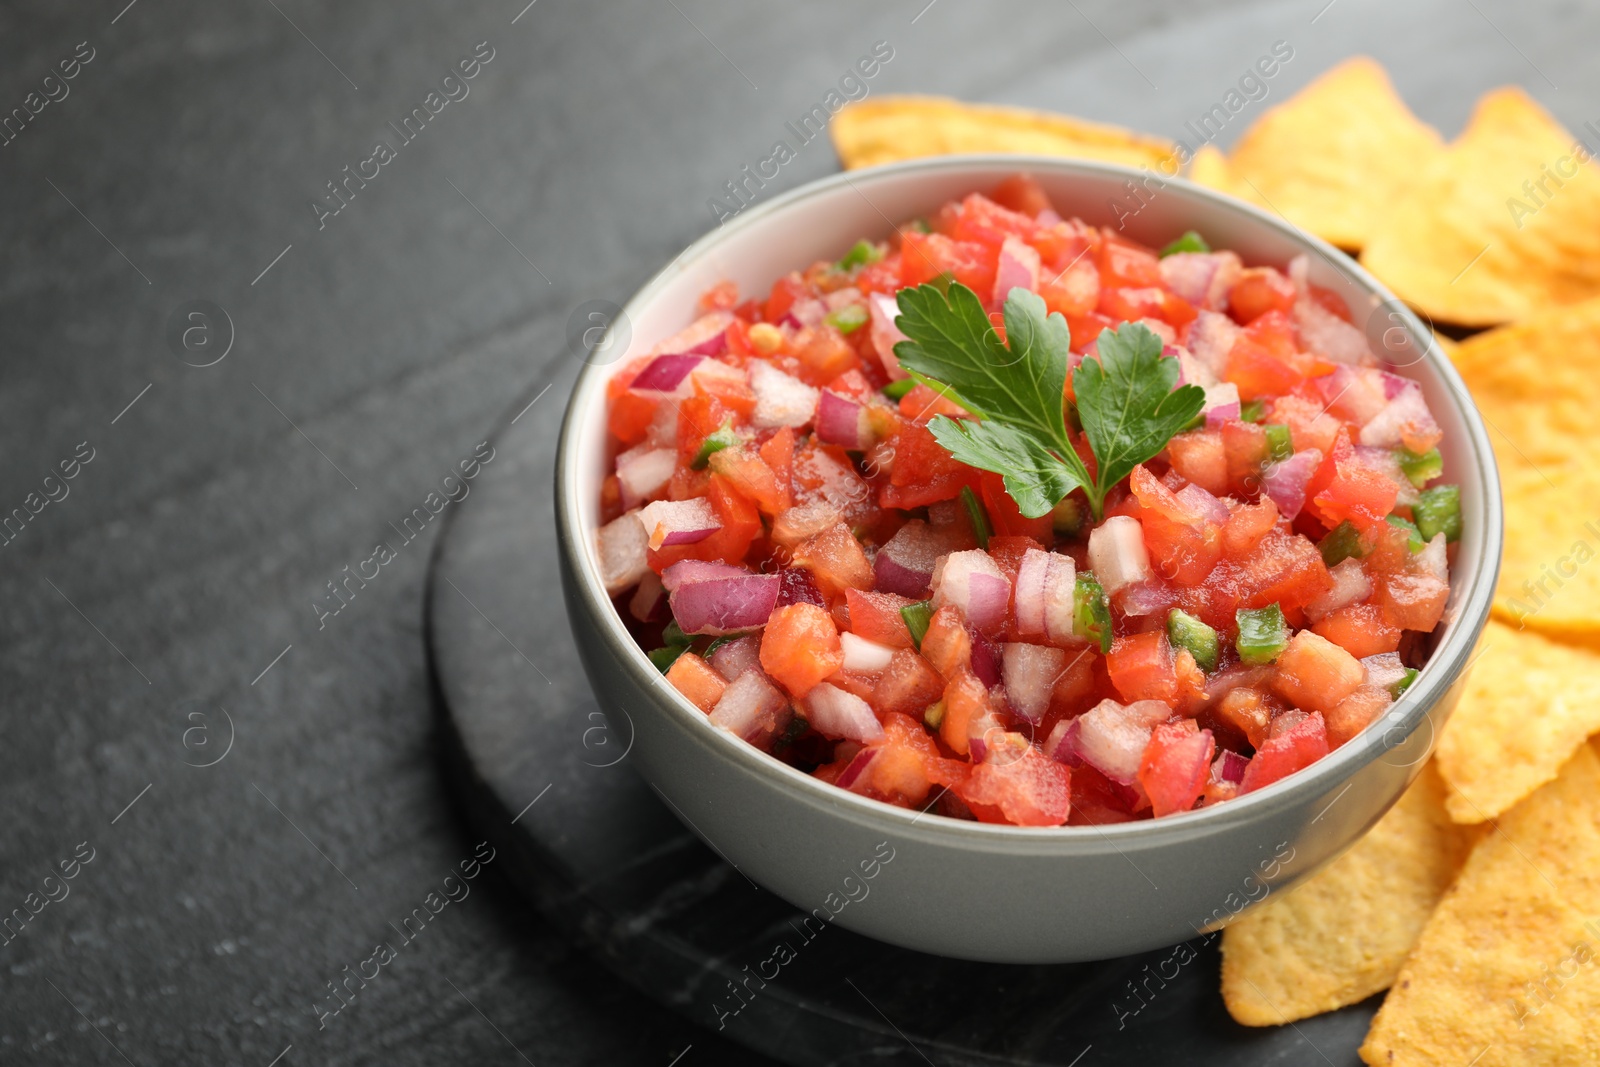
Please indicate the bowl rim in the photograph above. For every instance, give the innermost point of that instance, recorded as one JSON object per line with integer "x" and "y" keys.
{"x": 1445, "y": 665}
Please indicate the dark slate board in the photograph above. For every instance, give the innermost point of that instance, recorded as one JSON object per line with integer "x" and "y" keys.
{"x": 543, "y": 774}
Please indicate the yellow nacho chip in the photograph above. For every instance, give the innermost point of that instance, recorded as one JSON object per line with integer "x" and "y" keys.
{"x": 1536, "y": 386}
{"x": 1507, "y": 971}
{"x": 1341, "y": 936}
{"x": 1504, "y": 224}
{"x": 890, "y": 128}
{"x": 1333, "y": 156}
{"x": 1529, "y": 703}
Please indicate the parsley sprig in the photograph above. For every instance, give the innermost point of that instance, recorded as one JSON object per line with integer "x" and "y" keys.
{"x": 1126, "y": 402}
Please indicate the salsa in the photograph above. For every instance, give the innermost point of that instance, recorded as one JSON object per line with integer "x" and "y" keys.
{"x": 1194, "y": 539}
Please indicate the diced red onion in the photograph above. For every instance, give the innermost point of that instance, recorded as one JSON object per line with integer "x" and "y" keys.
{"x": 1383, "y": 670}
{"x": 1222, "y": 404}
{"x": 1355, "y": 391}
{"x": 622, "y": 546}
{"x": 705, "y": 336}
{"x": 981, "y": 730}
{"x": 1351, "y": 585}
{"x": 1203, "y": 504}
{"x": 1239, "y": 676}
{"x": 797, "y": 586}
{"x": 665, "y": 373}
{"x": 749, "y": 706}
{"x": 1163, "y": 330}
{"x": 643, "y": 472}
{"x": 696, "y": 570}
{"x": 679, "y": 522}
{"x": 1201, "y": 278}
{"x": 809, "y": 312}
{"x": 1395, "y": 384}
{"x": 1060, "y": 587}
{"x": 841, "y": 715}
{"x": 1406, "y": 414}
{"x": 1432, "y": 560}
{"x": 974, "y": 583}
{"x": 733, "y": 658}
{"x": 1031, "y": 575}
{"x": 725, "y": 605}
{"x": 862, "y": 655}
{"x": 1117, "y": 554}
{"x": 904, "y": 566}
{"x": 1056, "y": 746}
{"x": 1111, "y": 738}
{"x": 781, "y": 400}
{"x": 842, "y": 421}
{"x": 885, "y": 334}
{"x": 646, "y": 599}
{"x": 1030, "y": 673}
{"x": 1285, "y": 482}
{"x": 1229, "y": 767}
{"x": 985, "y": 659}
{"x": 1143, "y": 599}
{"x": 852, "y": 773}
{"x": 1211, "y": 338}
{"x": 1387, "y": 463}
{"x": 1018, "y": 268}
{"x": 1191, "y": 371}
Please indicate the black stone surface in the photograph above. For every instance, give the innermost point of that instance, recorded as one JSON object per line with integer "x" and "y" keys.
{"x": 370, "y": 356}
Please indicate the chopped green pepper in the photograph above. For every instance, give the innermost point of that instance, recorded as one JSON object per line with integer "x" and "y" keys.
{"x": 1420, "y": 468}
{"x": 1341, "y": 543}
{"x": 1280, "y": 444}
{"x": 849, "y": 318}
{"x": 1262, "y": 634}
{"x": 1189, "y": 242}
{"x": 672, "y": 634}
{"x": 666, "y": 656}
{"x": 1252, "y": 411}
{"x": 897, "y": 390}
{"x": 723, "y": 437}
{"x": 917, "y": 617}
{"x": 1091, "y": 612}
{"x": 1066, "y": 518}
{"x": 1414, "y": 539}
{"x": 933, "y": 715}
{"x": 1186, "y": 631}
{"x": 1402, "y": 683}
{"x": 980, "y": 518}
{"x": 1438, "y": 510}
{"x": 861, "y": 253}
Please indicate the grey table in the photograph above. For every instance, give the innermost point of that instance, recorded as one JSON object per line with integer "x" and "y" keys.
{"x": 252, "y": 772}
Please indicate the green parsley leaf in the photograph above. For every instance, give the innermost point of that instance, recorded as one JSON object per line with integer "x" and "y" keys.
{"x": 897, "y": 390}
{"x": 1036, "y": 479}
{"x": 976, "y": 515}
{"x": 1128, "y": 406}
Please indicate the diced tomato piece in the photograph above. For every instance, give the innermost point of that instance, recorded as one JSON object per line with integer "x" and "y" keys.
{"x": 695, "y": 679}
{"x": 983, "y": 221}
{"x": 1315, "y": 674}
{"x": 947, "y": 644}
{"x": 1258, "y": 291}
{"x": 925, "y": 256}
{"x": 1200, "y": 457}
{"x": 1098, "y": 801}
{"x": 1356, "y": 712}
{"x": 1127, "y": 264}
{"x": 1006, "y": 518}
{"x": 785, "y": 291}
{"x": 1247, "y": 711}
{"x": 882, "y": 276}
{"x": 1086, "y": 330}
{"x": 1142, "y": 668}
{"x": 836, "y": 561}
{"x": 1184, "y": 546}
{"x": 1310, "y": 425}
{"x": 965, "y": 701}
{"x": 800, "y": 647}
{"x": 1412, "y": 601}
{"x": 1281, "y": 756}
{"x": 688, "y": 483}
{"x": 720, "y": 297}
{"x": 1071, "y": 289}
{"x": 734, "y": 394}
{"x": 876, "y": 617}
{"x": 1285, "y": 569}
{"x": 698, "y": 418}
{"x": 1356, "y": 493}
{"x": 1131, "y": 305}
{"x": 631, "y": 416}
{"x": 747, "y": 472}
{"x": 1247, "y": 527}
{"x": 1175, "y": 766}
{"x": 1331, "y": 301}
{"x": 924, "y": 472}
{"x": 1022, "y": 194}
{"x": 1360, "y": 629}
{"x": 854, "y": 385}
{"x": 921, "y": 404}
{"x": 908, "y": 685}
{"x": 908, "y": 765}
{"x": 824, "y": 354}
{"x": 1244, "y": 445}
{"x": 1020, "y": 786}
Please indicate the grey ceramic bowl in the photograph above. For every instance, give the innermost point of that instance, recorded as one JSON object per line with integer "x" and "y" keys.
{"x": 998, "y": 893}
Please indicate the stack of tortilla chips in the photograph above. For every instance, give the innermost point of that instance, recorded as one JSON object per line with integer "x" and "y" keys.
{"x": 1476, "y": 900}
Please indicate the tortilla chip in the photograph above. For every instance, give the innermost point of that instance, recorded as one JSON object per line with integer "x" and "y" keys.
{"x": 1529, "y": 703}
{"x": 891, "y": 128}
{"x": 1341, "y": 936}
{"x": 1333, "y": 156}
{"x": 1474, "y": 241}
{"x": 1508, "y": 970}
{"x": 1536, "y": 385}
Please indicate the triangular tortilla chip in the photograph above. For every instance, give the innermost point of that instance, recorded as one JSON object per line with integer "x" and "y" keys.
{"x": 1474, "y": 239}
{"x": 890, "y": 128}
{"x": 1529, "y": 703}
{"x": 1536, "y": 386}
{"x": 1333, "y": 156}
{"x": 1341, "y": 936}
{"x": 1506, "y": 972}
